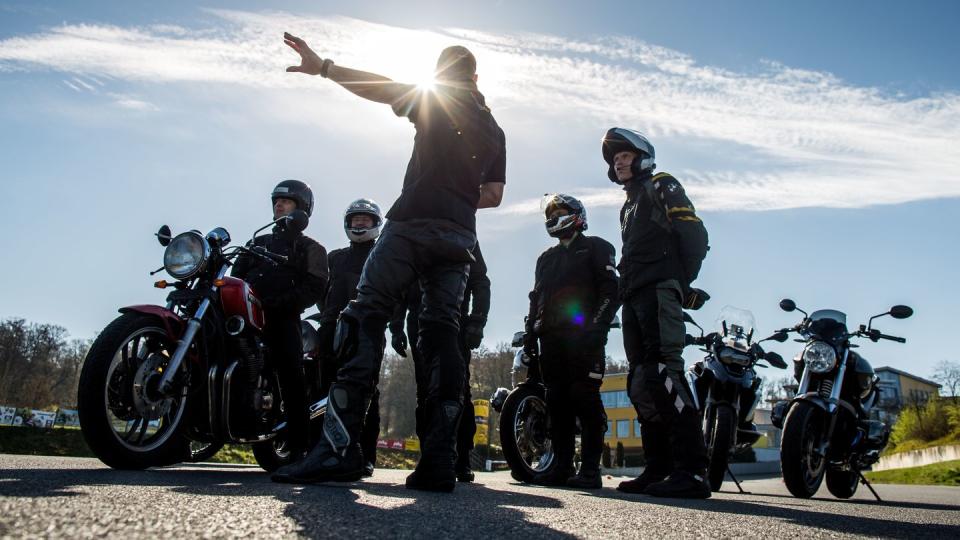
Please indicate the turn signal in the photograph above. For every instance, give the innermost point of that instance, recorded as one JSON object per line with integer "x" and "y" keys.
{"x": 162, "y": 284}
{"x": 219, "y": 282}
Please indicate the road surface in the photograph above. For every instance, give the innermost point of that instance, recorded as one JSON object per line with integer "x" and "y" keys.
{"x": 76, "y": 497}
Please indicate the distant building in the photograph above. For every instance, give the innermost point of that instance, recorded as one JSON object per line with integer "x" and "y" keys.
{"x": 899, "y": 389}
{"x": 622, "y": 425}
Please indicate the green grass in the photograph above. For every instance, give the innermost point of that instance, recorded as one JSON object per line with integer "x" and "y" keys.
{"x": 946, "y": 473}
{"x": 916, "y": 444}
{"x": 43, "y": 442}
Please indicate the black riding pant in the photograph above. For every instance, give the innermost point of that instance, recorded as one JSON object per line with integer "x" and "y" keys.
{"x": 435, "y": 252}
{"x": 282, "y": 337}
{"x": 653, "y": 338}
{"x": 573, "y": 364}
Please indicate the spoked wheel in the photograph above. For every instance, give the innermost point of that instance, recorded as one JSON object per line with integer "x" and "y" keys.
{"x": 524, "y": 433}
{"x": 273, "y": 454}
{"x": 800, "y": 457}
{"x": 124, "y": 419}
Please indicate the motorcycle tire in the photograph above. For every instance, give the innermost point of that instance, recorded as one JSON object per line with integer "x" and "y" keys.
{"x": 802, "y": 431}
{"x": 842, "y": 484}
{"x": 272, "y": 454}
{"x": 107, "y": 399}
{"x": 530, "y": 402}
{"x": 719, "y": 440}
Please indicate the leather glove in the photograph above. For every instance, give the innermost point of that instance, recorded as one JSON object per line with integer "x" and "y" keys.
{"x": 695, "y": 299}
{"x": 531, "y": 346}
{"x": 399, "y": 343}
{"x": 473, "y": 330}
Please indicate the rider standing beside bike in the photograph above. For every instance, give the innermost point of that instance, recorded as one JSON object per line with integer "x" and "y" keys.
{"x": 285, "y": 290}
{"x": 458, "y": 165}
{"x": 664, "y": 244}
{"x": 473, "y": 317}
{"x": 361, "y": 223}
{"x": 573, "y": 302}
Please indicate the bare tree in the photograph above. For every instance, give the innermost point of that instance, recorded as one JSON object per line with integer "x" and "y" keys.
{"x": 947, "y": 373}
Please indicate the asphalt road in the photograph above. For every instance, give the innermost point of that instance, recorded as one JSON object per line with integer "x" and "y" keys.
{"x": 74, "y": 497}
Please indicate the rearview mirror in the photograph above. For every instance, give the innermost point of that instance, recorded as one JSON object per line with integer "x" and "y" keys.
{"x": 775, "y": 360}
{"x": 517, "y": 339}
{"x": 788, "y": 305}
{"x": 297, "y": 221}
{"x": 901, "y": 312}
{"x": 164, "y": 236}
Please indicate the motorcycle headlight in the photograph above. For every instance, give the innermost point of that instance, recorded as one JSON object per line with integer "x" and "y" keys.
{"x": 819, "y": 357}
{"x": 186, "y": 255}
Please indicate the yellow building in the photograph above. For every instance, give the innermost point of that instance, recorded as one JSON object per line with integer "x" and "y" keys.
{"x": 899, "y": 389}
{"x": 622, "y": 425}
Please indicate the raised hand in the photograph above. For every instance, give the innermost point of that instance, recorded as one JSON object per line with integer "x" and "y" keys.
{"x": 310, "y": 62}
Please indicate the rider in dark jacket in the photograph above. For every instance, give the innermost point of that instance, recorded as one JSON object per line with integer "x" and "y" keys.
{"x": 473, "y": 318}
{"x": 458, "y": 166}
{"x": 573, "y": 302}
{"x": 285, "y": 290}
{"x": 361, "y": 223}
{"x": 664, "y": 244}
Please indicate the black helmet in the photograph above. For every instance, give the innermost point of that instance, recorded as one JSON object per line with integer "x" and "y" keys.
{"x": 563, "y": 226}
{"x": 620, "y": 139}
{"x": 296, "y": 191}
{"x": 366, "y": 207}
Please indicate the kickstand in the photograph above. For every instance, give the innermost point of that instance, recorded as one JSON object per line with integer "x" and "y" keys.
{"x": 866, "y": 482}
{"x": 735, "y": 481}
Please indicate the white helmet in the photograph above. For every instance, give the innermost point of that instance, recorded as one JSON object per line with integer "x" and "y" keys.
{"x": 362, "y": 234}
{"x": 620, "y": 139}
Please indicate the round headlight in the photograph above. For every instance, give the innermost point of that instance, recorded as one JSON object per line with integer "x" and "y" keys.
{"x": 820, "y": 357}
{"x": 186, "y": 255}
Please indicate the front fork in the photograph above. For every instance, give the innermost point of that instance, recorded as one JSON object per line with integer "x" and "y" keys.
{"x": 832, "y": 402}
{"x": 183, "y": 345}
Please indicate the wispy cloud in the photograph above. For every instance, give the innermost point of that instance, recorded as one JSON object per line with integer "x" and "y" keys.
{"x": 788, "y": 137}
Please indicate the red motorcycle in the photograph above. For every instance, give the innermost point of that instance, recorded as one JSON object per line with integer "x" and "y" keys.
{"x": 174, "y": 383}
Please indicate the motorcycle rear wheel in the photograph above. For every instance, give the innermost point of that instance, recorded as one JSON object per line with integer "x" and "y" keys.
{"x": 124, "y": 420}
{"x": 272, "y": 454}
{"x": 842, "y": 484}
{"x": 803, "y": 470}
{"x": 719, "y": 440}
{"x": 527, "y": 447}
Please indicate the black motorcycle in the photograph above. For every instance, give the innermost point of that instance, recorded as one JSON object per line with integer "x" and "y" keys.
{"x": 726, "y": 388}
{"x": 524, "y": 424}
{"x": 827, "y": 430}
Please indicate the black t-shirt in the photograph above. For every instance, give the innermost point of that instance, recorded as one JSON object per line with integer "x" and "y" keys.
{"x": 458, "y": 147}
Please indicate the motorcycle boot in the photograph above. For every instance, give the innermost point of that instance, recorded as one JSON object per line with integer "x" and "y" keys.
{"x": 681, "y": 485}
{"x": 436, "y": 469}
{"x": 587, "y": 478}
{"x": 337, "y": 457}
{"x": 639, "y": 484}
{"x": 462, "y": 468}
{"x": 556, "y": 477}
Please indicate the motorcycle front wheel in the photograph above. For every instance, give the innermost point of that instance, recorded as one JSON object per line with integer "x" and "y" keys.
{"x": 524, "y": 433}
{"x": 803, "y": 468}
{"x": 842, "y": 484}
{"x": 202, "y": 451}
{"x": 124, "y": 419}
{"x": 720, "y": 425}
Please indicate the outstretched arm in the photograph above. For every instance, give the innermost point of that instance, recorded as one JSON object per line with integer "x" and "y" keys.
{"x": 366, "y": 85}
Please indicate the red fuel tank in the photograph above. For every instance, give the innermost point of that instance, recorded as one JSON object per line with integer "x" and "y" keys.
{"x": 239, "y": 299}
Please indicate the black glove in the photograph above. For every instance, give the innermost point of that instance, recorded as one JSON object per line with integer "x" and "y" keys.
{"x": 531, "y": 346}
{"x": 399, "y": 343}
{"x": 695, "y": 299}
{"x": 473, "y": 330}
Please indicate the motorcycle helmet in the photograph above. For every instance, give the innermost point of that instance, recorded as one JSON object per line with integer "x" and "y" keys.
{"x": 364, "y": 207}
{"x": 296, "y": 191}
{"x": 619, "y": 140}
{"x": 563, "y": 226}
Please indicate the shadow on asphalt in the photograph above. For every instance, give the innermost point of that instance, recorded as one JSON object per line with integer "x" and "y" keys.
{"x": 320, "y": 510}
{"x": 336, "y": 509}
{"x": 798, "y": 513}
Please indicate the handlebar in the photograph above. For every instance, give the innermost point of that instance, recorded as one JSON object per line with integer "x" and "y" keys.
{"x": 875, "y": 335}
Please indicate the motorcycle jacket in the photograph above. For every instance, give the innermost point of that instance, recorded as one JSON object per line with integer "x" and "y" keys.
{"x": 575, "y": 287}
{"x": 663, "y": 239}
{"x": 346, "y": 265}
{"x": 289, "y": 287}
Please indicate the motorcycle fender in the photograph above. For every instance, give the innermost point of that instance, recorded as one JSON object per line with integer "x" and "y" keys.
{"x": 692, "y": 383}
{"x": 172, "y": 322}
{"x": 814, "y": 399}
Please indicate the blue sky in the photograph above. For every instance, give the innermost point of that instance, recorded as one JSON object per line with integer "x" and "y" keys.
{"x": 818, "y": 141}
